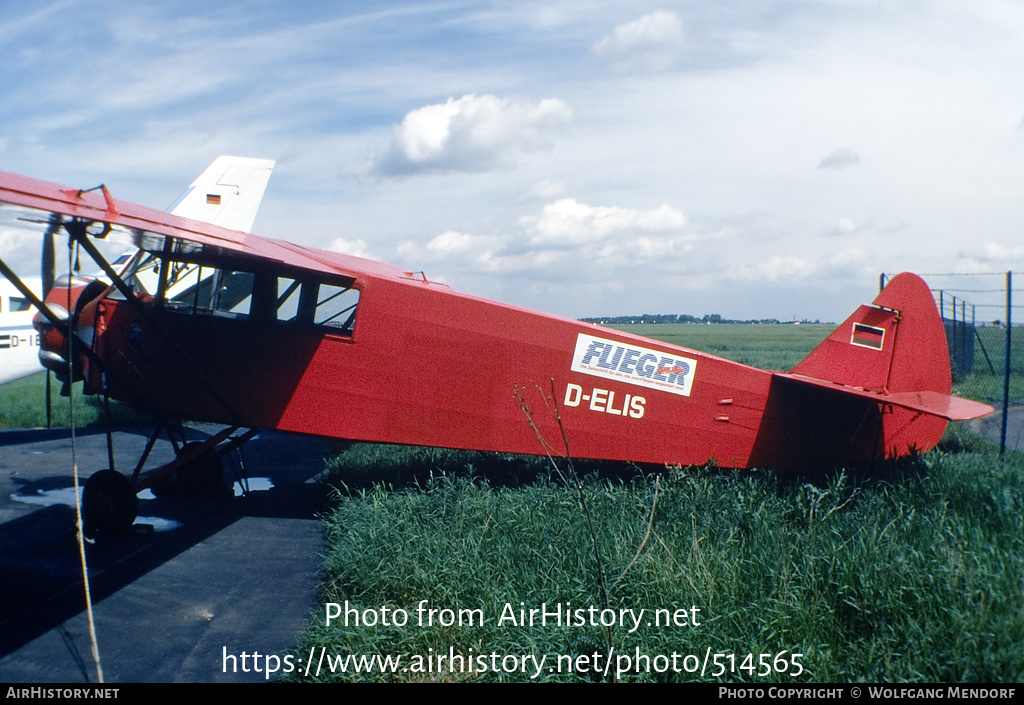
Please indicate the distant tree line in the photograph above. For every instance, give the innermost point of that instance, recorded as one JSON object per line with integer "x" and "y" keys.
{"x": 680, "y": 318}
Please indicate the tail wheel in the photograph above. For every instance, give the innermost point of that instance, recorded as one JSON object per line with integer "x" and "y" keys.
{"x": 109, "y": 503}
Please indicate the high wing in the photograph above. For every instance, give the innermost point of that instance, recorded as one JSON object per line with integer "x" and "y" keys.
{"x": 147, "y": 227}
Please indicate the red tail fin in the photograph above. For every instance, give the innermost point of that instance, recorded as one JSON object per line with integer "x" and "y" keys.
{"x": 897, "y": 344}
{"x": 878, "y": 386}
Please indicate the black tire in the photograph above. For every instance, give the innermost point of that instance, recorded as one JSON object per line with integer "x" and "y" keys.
{"x": 109, "y": 503}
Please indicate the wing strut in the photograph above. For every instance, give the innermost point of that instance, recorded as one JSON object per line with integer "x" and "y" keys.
{"x": 77, "y": 231}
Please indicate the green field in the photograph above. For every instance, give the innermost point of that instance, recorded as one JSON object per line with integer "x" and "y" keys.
{"x": 905, "y": 571}
{"x": 770, "y": 347}
{"x": 986, "y": 384}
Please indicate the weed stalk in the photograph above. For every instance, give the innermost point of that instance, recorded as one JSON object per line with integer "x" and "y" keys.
{"x": 572, "y": 480}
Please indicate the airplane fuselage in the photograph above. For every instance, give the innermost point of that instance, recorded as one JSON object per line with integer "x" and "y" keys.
{"x": 224, "y": 326}
{"x": 19, "y": 341}
{"x": 423, "y": 365}
{"x": 413, "y": 362}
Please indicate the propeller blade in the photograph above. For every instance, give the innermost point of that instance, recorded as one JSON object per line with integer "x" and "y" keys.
{"x": 49, "y": 259}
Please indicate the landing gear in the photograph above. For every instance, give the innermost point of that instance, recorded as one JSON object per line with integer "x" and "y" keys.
{"x": 109, "y": 500}
{"x": 109, "y": 503}
{"x": 199, "y": 474}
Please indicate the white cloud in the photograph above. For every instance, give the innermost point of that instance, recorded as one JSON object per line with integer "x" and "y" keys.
{"x": 566, "y": 231}
{"x": 357, "y": 248}
{"x": 845, "y": 226}
{"x": 569, "y": 222}
{"x": 451, "y": 242}
{"x": 471, "y": 134}
{"x": 992, "y": 256}
{"x": 544, "y": 191}
{"x": 652, "y": 42}
{"x": 775, "y": 268}
{"x": 466, "y": 250}
{"x": 839, "y": 159}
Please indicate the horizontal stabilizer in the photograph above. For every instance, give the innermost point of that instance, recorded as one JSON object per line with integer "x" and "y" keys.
{"x": 945, "y": 406}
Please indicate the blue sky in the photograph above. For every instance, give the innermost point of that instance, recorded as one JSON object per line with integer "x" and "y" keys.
{"x": 754, "y": 159}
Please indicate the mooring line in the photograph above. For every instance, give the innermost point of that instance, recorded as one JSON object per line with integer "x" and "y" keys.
{"x": 74, "y": 473}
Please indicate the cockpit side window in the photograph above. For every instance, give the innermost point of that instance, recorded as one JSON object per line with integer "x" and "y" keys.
{"x": 233, "y": 292}
{"x": 308, "y": 299}
{"x": 336, "y": 307}
{"x": 287, "y": 303}
{"x": 320, "y": 303}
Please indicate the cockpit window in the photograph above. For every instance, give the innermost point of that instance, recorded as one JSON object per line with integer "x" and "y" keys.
{"x": 289, "y": 291}
{"x": 336, "y": 307}
{"x": 19, "y": 303}
{"x": 233, "y": 293}
{"x": 300, "y": 298}
{"x": 330, "y": 304}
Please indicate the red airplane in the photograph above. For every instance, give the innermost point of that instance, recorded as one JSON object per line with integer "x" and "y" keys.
{"x": 223, "y": 326}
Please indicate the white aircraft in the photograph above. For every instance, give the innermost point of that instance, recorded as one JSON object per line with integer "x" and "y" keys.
{"x": 19, "y": 342}
{"x": 227, "y": 194}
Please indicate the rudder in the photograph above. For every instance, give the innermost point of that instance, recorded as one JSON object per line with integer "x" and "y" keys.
{"x": 897, "y": 344}
{"x": 894, "y": 351}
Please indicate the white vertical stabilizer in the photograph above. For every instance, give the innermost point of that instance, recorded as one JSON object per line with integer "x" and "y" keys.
{"x": 227, "y": 194}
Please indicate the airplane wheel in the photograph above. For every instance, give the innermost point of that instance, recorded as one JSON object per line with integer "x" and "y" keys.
{"x": 109, "y": 503}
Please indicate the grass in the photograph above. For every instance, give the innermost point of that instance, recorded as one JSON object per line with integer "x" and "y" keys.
{"x": 986, "y": 384}
{"x": 24, "y": 406}
{"x": 906, "y": 571}
{"x": 770, "y": 347}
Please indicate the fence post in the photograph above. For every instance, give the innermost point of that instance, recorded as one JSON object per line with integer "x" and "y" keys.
{"x": 1006, "y": 362}
{"x": 966, "y": 343}
{"x": 955, "y": 352}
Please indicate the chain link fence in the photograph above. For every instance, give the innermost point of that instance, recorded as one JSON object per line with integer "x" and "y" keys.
{"x": 984, "y": 332}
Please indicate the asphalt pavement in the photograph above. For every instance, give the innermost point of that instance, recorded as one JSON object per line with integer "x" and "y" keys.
{"x": 990, "y": 427}
{"x": 194, "y": 582}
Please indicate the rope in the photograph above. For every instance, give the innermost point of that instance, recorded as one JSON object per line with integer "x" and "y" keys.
{"x": 78, "y": 497}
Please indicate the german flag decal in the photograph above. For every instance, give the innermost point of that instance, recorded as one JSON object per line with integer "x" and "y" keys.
{"x": 213, "y": 199}
{"x": 868, "y": 336}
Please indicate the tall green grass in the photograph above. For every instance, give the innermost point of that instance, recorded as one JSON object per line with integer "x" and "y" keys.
{"x": 904, "y": 571}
